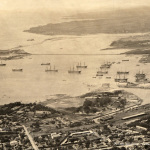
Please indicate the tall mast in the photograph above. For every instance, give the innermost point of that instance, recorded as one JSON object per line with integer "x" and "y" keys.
{"x": 124, "y": 75}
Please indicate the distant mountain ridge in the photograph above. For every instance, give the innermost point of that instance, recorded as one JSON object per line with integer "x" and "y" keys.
{"x": 121, "y": 21}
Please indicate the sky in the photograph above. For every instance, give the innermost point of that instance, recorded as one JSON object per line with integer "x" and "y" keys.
{"x": 70, "y": 4}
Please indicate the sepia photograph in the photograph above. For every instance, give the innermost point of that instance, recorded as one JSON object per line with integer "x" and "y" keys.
{"x": 74, "y": 74}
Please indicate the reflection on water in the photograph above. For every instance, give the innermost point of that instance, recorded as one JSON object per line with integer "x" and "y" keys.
{"x": 34, "y": 84}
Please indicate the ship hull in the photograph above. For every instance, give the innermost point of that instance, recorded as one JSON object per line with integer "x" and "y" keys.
{"x": 121, "y": 80}
{"x": 102, "y": 67}
{"x": 2, "y": 64}
{"x": 102, "y": 72}
{"x": 122, "y": 72}
{"x": 81, "y": 66}
{"x": 74, "y": 72}
{"x": 51, "y": 70}
{"x": 125, "y": 60}
{"x": 45, "y": 64}
{"x": 20, "y": 70}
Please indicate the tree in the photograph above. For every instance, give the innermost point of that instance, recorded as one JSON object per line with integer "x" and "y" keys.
{"x": 87, "y": 103}
{"x": 87, "y": 144}
{"x": 123, "y": 103}
{"x": 87, "y": 109}
{"x": 131, "y": 140}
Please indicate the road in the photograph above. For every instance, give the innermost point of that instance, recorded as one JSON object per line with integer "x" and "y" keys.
{"x": 30, "y": 138}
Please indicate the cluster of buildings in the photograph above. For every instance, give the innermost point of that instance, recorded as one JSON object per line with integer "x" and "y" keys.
{"x": 99, "y": 137}
{"x": 13, "y": 135}
{"x": 126, "y": 128}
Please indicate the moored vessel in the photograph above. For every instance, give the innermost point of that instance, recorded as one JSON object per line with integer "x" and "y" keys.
{"x": 102, "y": 71}
{"x": 120, "y": 78}
{"x": 140, "y": 77}
{"x": 45, "y": 64}
{"x": 20, "y": 70}
{"x": 122, "y": 72}
{"x": 81, "y": 66}
{"x": 2, "y": 64}
{"x": 74, "y": 71}
{"x": 106, "y": 65}
{"x": 51, "y": 70}
{"x": 125, "y": 60}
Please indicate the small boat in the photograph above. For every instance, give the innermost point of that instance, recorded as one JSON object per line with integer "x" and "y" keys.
{"x": 45, "y": 64}
{"x": 108, "y": 77}
{"x": 125, "y": 60}
{"x": 74, "y": 71}
{"x": 81, "y": 66}
{"x": 2, "y": 64}
{"x": 17, "y": 70}
{"x": 51, "y": 70}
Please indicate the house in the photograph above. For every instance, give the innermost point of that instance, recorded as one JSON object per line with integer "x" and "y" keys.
{"x": 141, "y": 128}
{"x": 55, "y": 135}
{"x": 13, "y": 143}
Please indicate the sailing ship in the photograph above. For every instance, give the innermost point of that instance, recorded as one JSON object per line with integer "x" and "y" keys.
{"x": 102, "y": 71}
{"x": 20, "y": 70}
{"x": 81, "y": 66}
{"x": 99, "y": 74}
{"x": 140, "y": 77}
{"x": 74, "y": 71}
{"x": 106, "y": 65}
{"x": 121, "y": 79}
{"x": 45, "y": 64}
{"x": 2, "y": 64}
{"x": 51, "y": 70}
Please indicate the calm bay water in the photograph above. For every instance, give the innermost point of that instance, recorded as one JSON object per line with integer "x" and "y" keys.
{"x": 34, "y": 84}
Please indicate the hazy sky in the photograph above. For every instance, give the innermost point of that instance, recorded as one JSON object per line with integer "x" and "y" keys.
{"x": 70, "y": 4}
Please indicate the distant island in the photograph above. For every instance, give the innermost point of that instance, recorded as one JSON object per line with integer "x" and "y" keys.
{"x": 139, "y": 45}
{"x": 120, "y": 21}
{"x": 12, "y": 54}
